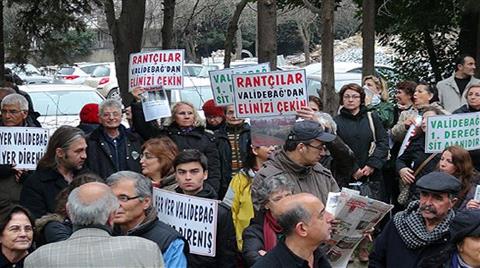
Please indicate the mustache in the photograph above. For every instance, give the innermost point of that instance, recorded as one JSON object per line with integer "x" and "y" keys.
{"x": 428, "y": 208}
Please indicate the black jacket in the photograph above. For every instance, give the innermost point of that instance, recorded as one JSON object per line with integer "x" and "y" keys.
{"x": 356, "y": 133}
{"x": 88, "y": 128}
{"x": 414, "y": 155}
{"x": 99, "y": 154}
{"x": 226, "y": 244}
{"x": 225, "y": 156}
{"x": 341, "y": 161}
{"x": 253, "y": 240}
{"x": 474, "y": 154}
{"x": 197, "y": 138}
{"x": 241, "y": 134}
{"x": 40, "y": 190}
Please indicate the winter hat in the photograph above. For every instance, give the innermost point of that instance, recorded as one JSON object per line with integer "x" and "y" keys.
{"x": 210, "y": 109}
{"x": 89, "y": 113}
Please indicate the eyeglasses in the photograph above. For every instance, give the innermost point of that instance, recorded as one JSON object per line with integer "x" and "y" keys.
{"x": 114, "y": 114}
{"x": 319, "y": 147}
{"x": 353, "y": 97}
{"x": 126, "y": 198}
{"x": 147, "y": 156}
{"x": 17, "y": 229}
{"x": 12, "y": 112}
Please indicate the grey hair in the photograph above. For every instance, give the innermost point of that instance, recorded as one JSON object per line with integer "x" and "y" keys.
{"x": 88, "y": 213}
{"x": 290, "y": 218}
{"x": 263, "y": 187}
{"x": 197, "y": 122}
{"x": 109, "y": 103}
{"x": 143, "y": 185}
{"x": 14, "y": 98}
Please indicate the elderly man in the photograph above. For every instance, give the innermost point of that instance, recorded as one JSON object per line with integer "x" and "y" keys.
{"x": 306, "y": 225}
{"x": 298, "y": 160}
{"x": 451, "y": 90}
{"x": 63, "y": 159}
{"x": 111, "y": 147}
{"x": 92, "y": 208}
{"x": 137, "y": 217}
{"x": 413, "y": 235}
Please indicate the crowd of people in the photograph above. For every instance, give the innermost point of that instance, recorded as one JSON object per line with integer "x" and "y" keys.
{"x": 90, "y": 201}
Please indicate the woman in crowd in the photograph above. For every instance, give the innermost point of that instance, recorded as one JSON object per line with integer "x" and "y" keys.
{"x": 238, "y": 195}
{"x": 456, "y": 161}
{"x": 414, "y": 162}
{"x": 404, "y": 96}
{"x": 16, "y": 239}
{"x": 261, "y": 236}
{"x": 157, "y": 162}
{"x": 376, "y": 99}
{"x": 185, "y": 128}
{"x": 472, "y": 94}
{"x": 315, "y": 103}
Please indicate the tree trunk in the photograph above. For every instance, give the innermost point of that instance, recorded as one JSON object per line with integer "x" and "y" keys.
{"x": 267, "y": 32}
{"x": 239, "y": 44}
{"x": 2, "y": 48}
{"x": 368, "y": 37}
{"x": 126, "y": 33}
{"x": 477, "y": 49}
{"x": 328, "y": 95}
{"x": 305, "y": 35}
{"x": 432, "y": 55}
{"x": 167, "y": 28}
{"x": 231, "y": 30}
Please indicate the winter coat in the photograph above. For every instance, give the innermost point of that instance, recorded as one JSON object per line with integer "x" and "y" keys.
{"x": 168, "y": 183}
{"x": 40, "y": 191}
{"x": 225, "y": 156}
{"x": 52, "y": 228}
{"x": 197, "y": 138}
{"x": 474, "y": 154}
{"x": 88, "y": 128}
{"x": 225, "y": 244}
{"x": 239, "y": 198}
{"x": 10, "y": 188}
{"x": 316, "y": 179}
{"x": 238, "y": 135}
{"x": 361, "y": 138}
{"x": 341, "y": 161}
{"x": 253, "y": 240}
{"x": 99, "y": 154}
{"x": 386, "y": 112}
{"x": 449, "y": 94}
{"x": 390, "y": 251}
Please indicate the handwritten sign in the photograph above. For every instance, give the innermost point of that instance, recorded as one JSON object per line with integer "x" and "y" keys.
{"x": 22, "y": 146}
{"x": 193, "y": 217}
{"x": 269, "y": 94}
{"x": 456, "y": 129}
{"x": 152, "y": 70}
{"x": 221, "y": 81}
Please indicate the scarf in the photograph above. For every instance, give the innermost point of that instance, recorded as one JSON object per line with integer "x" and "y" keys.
{"x": 411, "y": 227}
{"x": 270, "y": 230}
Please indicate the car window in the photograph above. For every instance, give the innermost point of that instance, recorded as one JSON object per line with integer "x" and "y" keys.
{"x": 63, "y": 102}
{"x": 66, "y": 71}
{"x": 206, "y": 69}
{"x": 313, "y": 87}
{"x": 197, "y": 96}
{"x": 101, "y": 71}
{"x": 191, "y": 70}
{"x": 89, "y": 69}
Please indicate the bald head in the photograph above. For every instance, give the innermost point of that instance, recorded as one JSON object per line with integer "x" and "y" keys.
{"x": 91, "y": 203}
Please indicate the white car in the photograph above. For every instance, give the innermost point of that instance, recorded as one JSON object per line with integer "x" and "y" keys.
{"x": 314, "y": 81}
{"x": 75, "y": 74}
{"x": 29, "y": 73}
{"x": 60, "y": 104}
{"x": 104, "y": 79}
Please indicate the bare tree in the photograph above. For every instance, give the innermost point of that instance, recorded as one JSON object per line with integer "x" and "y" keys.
{"x": 328, "y": 95}
{"x": 368, "y": 36}
{"x": 167, "y": 28}
{"x": 233, "y": 28}
{"x": 267, "y": 32}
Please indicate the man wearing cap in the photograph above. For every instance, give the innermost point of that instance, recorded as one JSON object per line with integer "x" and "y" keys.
{"x": 299, "y": 160}
{"x": 420, "y": 231}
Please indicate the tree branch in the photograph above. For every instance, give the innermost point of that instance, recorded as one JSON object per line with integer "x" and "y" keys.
{"x": 312, "y": 8}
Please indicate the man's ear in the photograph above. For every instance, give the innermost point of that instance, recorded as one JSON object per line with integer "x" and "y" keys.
{"x": 300, "y": 229}
{"x": 110, "y": 218}
{"x": 59, "y": 152}
{"x": 205, "y": 175}
{"x": 147, "y": 202}
{"x": 453, "y": 201}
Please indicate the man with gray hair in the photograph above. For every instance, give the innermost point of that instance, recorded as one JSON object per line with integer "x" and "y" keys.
{"x": 137, "y": 216}
{"x": 91, "y": 208}
{"x": 111, "y": 147}
{"x": 306, "y": 225}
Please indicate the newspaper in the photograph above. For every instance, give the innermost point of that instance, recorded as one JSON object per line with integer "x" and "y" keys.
{"x": 356, "y": 214}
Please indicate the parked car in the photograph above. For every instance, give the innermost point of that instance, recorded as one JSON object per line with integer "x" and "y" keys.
{"x": 60, "y": 104}
{"x": 314, "y": 81}
{"x": 28, "y": 73}
{"x": 75, "y": 74}
{"x": 192, "y": 69}
{"x": 104, "y": 79}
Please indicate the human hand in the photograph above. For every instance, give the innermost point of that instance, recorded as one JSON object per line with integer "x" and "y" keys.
{"x": 473, "y": 204}
{"x": 409, "y": 121}
{"x": 367, "y": 170}
{"x": 406, "y": 174}
{"x": 307, "y": 113}
{"x": 137, "y": 92}
{"x": 358, "y": 174}
{"x": 19, "y": 173}
{"x": 262, "y": 252}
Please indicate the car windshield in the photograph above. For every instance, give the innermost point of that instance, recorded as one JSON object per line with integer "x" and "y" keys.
{"x": 89, "y": 69}
{"x": 66, "y": 71}
{"x": 189, "y": 70}
{"x": 63, "y": 102}
{"x": 101, "y": 71}
{"x": 206, "y": 69}
{"x": 197, "y": 96}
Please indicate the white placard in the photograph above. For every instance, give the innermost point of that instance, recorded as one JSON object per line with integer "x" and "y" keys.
{"x": 456, "y": 129}
{"x": 22, "y": 146}
{"x": 221, "y": 81}
{"x": 154, "y": 69}
{"x": 193, "y": 217}
{"x": 477, "y": 193}
{"x": 269, "y": 94}
{"x": 155, "y": 105}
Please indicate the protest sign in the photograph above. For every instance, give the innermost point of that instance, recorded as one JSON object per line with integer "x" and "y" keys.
{"x": 269, "y": 94}
{"x": 456, "y": 129}
{"x": 266, "y": 131}
{"x": 221, "y": 81}
{"x": 193, "y": 217}
{"x": 155, "y": 69}
{"x": 155, "y": 104}
{"x": 22, "y": 146}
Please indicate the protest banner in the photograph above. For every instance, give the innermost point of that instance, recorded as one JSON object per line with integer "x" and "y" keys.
{"x": 221, "y": 81}
{"x": 22, "y": 146}
{"x": 193, "y": 217}
{"x": 266, "y": 131}
{"x": 269, "y": 94}
{"x": 456, "y": 129}
{"x": 154, "y": 69}
{"x": 155, "y": 104}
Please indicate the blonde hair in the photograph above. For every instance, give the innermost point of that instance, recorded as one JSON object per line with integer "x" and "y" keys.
{"x": 197, "y": 122}
{"x": 381, "y": 85}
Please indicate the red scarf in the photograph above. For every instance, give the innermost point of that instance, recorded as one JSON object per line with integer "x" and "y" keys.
{"x": 270, "y": 231}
